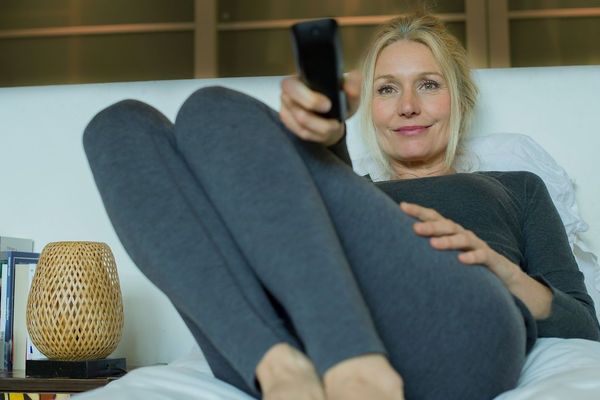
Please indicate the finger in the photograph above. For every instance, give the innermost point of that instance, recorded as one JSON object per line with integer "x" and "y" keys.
{"x": 301, "y": 94}
{"x": 478, "y": 256}
{"x": 322, "y": 127}
{"x": 286, "y": 100}
{"x": 458, "y": 241}
{"x": 308, "y": 127}
{"x": 420, "y": 212}
{"x": 441, "y": 227}
{"x": 289, "y": 121}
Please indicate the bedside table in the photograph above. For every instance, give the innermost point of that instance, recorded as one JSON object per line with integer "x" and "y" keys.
{"x": 17, "y": 382}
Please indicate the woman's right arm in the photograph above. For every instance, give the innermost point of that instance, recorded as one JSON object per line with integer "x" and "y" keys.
{"x": 300, "y": 107}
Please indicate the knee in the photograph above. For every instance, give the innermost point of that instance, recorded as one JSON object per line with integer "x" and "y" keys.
{"x": 214, "y": 100}
{"x": 489, "y": 337}
{"x": 496, "y": 326}
{"x": 215, "y": 95}
{"x": 119, "y": 123}
{"x": 216, "y": 108}
{"x": 483, "y": 314}
{"x": 492, "y": 305}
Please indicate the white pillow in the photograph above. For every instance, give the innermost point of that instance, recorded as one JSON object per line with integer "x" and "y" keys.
{"x": 518, "y": 152}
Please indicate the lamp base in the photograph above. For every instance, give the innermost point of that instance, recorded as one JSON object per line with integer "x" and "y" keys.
{"x": 82, "y": 369}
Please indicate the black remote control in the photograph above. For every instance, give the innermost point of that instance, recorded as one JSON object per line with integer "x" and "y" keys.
{"x": 318, "y": 54}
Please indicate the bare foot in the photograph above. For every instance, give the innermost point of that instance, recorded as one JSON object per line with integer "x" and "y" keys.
{"x": 365, "y": 377}
{"x": 285, "y": 373}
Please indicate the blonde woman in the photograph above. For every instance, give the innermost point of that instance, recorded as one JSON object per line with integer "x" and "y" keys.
{"x": 318, "y": 284}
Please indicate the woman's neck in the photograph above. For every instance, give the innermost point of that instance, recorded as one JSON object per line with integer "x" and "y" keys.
{"x": 420, "y": 170}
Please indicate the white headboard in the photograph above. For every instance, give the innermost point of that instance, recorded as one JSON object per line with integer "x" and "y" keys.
{"x": 48, "y": 193}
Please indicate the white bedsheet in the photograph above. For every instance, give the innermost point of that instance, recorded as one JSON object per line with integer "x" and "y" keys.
{"x": 555, "y": 369}
{"x": 559, "y": 369}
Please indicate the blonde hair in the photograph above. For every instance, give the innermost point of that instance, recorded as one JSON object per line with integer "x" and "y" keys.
{"x": 452, "y": 59}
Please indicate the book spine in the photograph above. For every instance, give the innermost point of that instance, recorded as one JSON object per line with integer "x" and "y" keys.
{"x": 33, "y": 396}
{"x": 8, "y": 322}
{"x": 13, "y": 258}
{"x": 4, "y": 271}
{"x": 33, "y": 353}
{"x": 15, "y": 244}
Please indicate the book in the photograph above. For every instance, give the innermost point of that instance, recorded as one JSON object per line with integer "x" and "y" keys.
{"x": 33, "y": 353}
{"x": 34, "y": 396}
{"x": 15, "y": 244}
{"x": 3, "y": 271}
{"x": 14, "y": 260}
{"x": 9, "y": 244}
{"x": 21, "y": 290}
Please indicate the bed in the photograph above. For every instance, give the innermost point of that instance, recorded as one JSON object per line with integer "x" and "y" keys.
{"x": 542, "y": 119}
{"x": 555, "y": 369}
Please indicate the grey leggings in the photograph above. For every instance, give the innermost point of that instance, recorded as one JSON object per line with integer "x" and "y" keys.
{"x": 259, "y": 238}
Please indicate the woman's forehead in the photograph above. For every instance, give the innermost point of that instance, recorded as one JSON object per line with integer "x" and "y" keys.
{"x": 406, "y": 57}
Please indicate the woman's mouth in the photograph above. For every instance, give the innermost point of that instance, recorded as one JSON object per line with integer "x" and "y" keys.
{"x": 411, "y": 130}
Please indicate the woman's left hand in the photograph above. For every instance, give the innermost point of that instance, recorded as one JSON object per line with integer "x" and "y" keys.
{"x": 446, "y": 234}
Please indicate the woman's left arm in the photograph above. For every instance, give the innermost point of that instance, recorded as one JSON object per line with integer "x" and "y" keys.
{"x": 551, "y": 285}
{"x": 446, "y": 234}
{"x": 550, "y": 260}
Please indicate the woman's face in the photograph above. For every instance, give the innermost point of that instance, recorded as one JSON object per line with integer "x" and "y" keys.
{"x": 411, "y": 106}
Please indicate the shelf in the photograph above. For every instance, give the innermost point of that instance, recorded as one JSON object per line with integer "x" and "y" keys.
{"x": 16, "y": 381}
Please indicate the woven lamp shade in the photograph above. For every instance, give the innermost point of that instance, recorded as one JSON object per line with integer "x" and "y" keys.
{"x": 74, "y": 310}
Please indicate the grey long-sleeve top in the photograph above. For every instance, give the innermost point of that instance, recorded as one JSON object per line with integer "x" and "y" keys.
{"x": 514, "y": 214}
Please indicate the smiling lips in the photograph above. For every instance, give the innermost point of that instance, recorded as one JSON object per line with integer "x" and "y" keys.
{"x": 411, "y": 130}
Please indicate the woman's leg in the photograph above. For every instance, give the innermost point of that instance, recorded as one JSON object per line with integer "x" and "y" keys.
{"x": 452, "y": 331}
{"x": 172, "y": 233}
{"x": 374, "y": 277}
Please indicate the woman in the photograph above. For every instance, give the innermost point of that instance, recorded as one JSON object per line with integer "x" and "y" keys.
{"x": 315, "y": 284}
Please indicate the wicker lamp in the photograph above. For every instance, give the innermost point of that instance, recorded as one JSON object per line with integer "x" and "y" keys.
{"x": 74, "y": 310}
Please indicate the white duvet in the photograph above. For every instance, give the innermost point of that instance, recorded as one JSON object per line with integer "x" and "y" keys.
{"x": 555, "y": 369}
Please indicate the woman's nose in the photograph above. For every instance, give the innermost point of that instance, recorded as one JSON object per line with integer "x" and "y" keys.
{"x": 408, "y": 104}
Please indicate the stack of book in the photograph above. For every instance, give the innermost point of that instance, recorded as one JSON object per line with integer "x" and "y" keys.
{"x": 17, "y": 263}
{"x": 34, "y": 396}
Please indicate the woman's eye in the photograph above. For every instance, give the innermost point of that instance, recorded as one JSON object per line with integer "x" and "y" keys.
{"x": 385, "y": 90}
{"x": 429, "y": 85}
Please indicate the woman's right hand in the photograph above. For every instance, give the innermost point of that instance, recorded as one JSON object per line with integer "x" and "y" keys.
{"x": 300, "y": 107}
